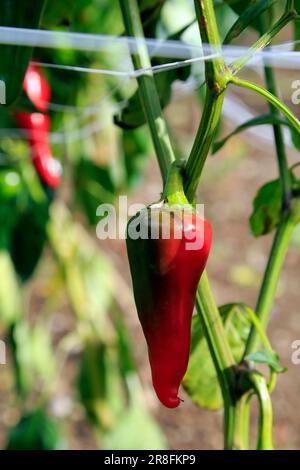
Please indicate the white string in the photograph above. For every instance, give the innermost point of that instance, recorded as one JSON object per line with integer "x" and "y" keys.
{"x": 281, "y": 55}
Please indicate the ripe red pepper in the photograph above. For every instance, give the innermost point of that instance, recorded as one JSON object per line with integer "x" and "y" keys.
{"x": 37, "y": 88}
{"x": 165, "y": 274}
{"x": 38, "y": 125}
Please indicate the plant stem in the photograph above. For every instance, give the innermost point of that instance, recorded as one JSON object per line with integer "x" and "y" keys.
{"x": 259, "y": 384}
{"x": 217, "y": 77}
{"x": 270, "y": 280}
{"x": 263, "y": 41}
{"x": 147, "y": 89}
{"x": 269, "y": 97}
{"x": 284, "y": 173}
{"x": 206, "y": 18}
{"x": 241, "y": 428}
{"x": 220, "y": 351}
{"x": 210, "y": 118}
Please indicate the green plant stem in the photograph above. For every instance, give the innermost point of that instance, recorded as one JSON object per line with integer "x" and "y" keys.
{"x": 270, "y": 281}
{"x": 217, "y": 77}
{"x": 263, "y": 41}
{"x": 242, "y": 416}
{"x": 265, "y": 441}
{"x": 270, "y": 98}
{"x": 206, "y": 18}
{"x": 210, "y": 118}
{"x": 221, "y": 354}
{"x": 284, "y": 173}
{"x": 147, "y": 89}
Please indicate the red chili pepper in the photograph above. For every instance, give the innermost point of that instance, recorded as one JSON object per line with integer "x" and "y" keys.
{"x": 37, "y": 88}
{"x": 165, "y": 274}
{"x": 38, "y": 125}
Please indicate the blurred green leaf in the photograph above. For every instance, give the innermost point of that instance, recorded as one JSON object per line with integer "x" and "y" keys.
{"x": 200, "y": 381}
{"x": 55, "y": 12}
{"x": 266, "y": 208}
{"x": 248, "y": 17}
{"x": 94, "y": 186}
{"x": 269, "y": 358}
{"x": 297, "y": 26}
{"x": 94, "y": 384}
{"x": 10, "y": 302}
{"x": 28, "y": 238}
{"x": 35, "y": 431}
{"x": 240, "y": 7}
{"x": 132, "y": 116}
{"x": 135, "y": 146}
{"x": 136, "y": 429}
{"x": 295, "y": 138}
{"x": 35, "y": 363}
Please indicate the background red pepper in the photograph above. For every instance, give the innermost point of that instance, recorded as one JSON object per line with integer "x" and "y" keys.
{"x": 38, "y": 126}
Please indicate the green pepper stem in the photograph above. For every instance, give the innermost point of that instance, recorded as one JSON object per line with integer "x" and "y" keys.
{"x": 174, "y": 192}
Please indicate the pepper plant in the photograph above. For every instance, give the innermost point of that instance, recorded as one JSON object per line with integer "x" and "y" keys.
{"x": 276, "y": 207}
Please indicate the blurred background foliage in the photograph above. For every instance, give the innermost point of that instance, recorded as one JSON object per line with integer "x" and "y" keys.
{"x": 98, "y": 134}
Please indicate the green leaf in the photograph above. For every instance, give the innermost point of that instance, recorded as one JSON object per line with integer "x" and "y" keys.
{"x": 100, "y": 385}
{"x": 136, "y": 429}
{"x": 266, "y": 209}
{"x": 34, "y": 431}
{"x": 247, "y": 17}
{"x": 257, "y": 121}
{"x": 200, "y": 381}
{"x": 94, "y": 186}
{"x": 240, "y": 6}
{"x": 295, "y": 138}
{"x": 34, "y": 361}
{"x": 10, "y": 302}
{"x": 28, "y": 238}
{"x": 297, "y": 26}
{"x": 270, "y": 358}
{"x": 135, "y": 147}
{"x": 132, "y": 116}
